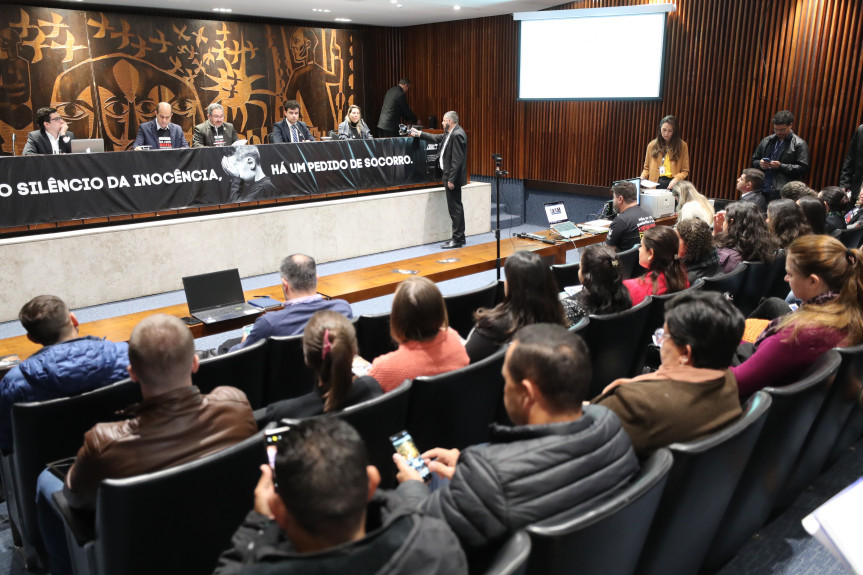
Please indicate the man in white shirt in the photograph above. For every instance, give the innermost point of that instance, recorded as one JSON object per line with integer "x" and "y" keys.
{"x": 52, "y": 137}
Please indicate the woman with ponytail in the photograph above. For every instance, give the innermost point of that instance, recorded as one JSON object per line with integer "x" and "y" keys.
{"x": 828, "y": 278}
{"x": 665, "y": 274}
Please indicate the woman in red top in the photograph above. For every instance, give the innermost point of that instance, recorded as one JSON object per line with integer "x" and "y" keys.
{"x": 665, "y": 273}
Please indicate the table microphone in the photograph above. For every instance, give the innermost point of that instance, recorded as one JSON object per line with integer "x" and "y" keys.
{"x": 13, "y": 143}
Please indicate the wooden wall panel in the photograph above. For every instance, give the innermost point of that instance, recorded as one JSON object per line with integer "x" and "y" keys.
{"x": 729, "y": 67}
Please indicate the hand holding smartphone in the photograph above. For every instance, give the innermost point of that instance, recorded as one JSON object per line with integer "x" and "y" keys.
{"x": 404, "y": 446}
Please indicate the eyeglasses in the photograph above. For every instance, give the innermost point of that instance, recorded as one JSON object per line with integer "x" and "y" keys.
{"x": 57, "y": 119}
{"x": 659, "y": 337}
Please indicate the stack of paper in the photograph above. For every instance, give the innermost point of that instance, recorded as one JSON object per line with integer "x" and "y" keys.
{"x": 837, "y": 525}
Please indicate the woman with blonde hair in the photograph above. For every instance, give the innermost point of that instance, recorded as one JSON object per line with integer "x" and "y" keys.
{"x": 692, "y": 204}
{"x": 354, "y": 127}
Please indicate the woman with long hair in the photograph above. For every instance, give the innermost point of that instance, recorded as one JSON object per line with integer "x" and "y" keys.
{"x": 700, "y": 256}
{"x": 354, "y": 127}
{"x": 420, "y": 326}
{"x": 329, "y": 347}
{"x": 837, "y": 204}
{"x": 742, "y": 235}
{"x": 603, "y": 291}
{"x": 659, "y": 254}
{"x": 667, "y": 157}
{"x": 786, "y": 221}
{"x": 530, "y": 296}
{"x": 828, "y": 278}
{"x": 691, "y": 204}
{"x": 816, "y": 213}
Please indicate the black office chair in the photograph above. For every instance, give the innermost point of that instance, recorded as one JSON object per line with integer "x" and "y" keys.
{"x": 727, "y": 283}
{"x": 373, "y": 335}
{"x": 376, "y": 421}
{"x": 178, "y": 520}
{"x": 851, "y": 238}
{"x": 579, "y": 326}
{"x": 789, "y": 420}
{"x": 454, "y": 409}
{"x": 614, "y": 341}
{"x": 286, "y": 374}
{"x": 566, "y": 275}
{"x": 852, "y": 427}
{"x": 460, "y": 307}
{"x": 243, "y": 369}
{"x": 7, "y": 476}
{"x": 605, "y": 536}
{"x": 629, "y": 267}
{"x": 48, "y": 431}
{"x": 510, "y": 558}
{"x": 761, "y": 280}
{"x": 702, "y": 481}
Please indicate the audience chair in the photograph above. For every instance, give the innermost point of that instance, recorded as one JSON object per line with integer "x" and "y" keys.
{"x": 852, "y": 238}
{"x": 852, "y": 428}
{"x": 605, "y": 536}
{"x": 727, "y": 283}
{"x": 656, "y": 319}
{"x": 629, "y": 267}
{"x": 286, "y": 374}
{"x": 792, "y": 412}
{"x": 454, "y": 409}
{"x": 501, "y": 290}
{"x": 579, "y": 326}
{"x": 8, "y": 477}
{"x": 566, "y": 275}
{"x": 510, "y": 558}
{"x": 615, "y": 341}
{"x": 701, "y": 482}
{"x": 373, "y": 335}
{"x": 761, "y": 280}
{"x": 376, "y": 421}
{"x": 178, "y": 520}
{"x": 460, "y": 307}
{"x": 243, "y": 369}
{"x": 48, "y": 431}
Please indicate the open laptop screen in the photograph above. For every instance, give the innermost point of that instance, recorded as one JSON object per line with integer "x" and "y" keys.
{"x": 215, "y": 289}
{"x": 556, "y": 213}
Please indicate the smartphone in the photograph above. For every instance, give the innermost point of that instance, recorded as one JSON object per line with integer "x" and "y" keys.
{"x": 766, "y": 160}
{"x": 189, "y": 320}
{"x": 274, "y": 436}
{"x": 404, "y": 446}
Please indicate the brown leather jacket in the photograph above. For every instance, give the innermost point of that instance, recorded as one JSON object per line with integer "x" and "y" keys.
{"x": 163, "y": 431}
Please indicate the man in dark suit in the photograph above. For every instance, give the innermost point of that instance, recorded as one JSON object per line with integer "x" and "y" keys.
{"x": 394, "y": 109}
{"x": 291, "y": 129}
{"x": 453, "y": 162}
{"x": 161, "y": 133}
{"x": 52, "y": 137}
{"x": 215, "y": 131}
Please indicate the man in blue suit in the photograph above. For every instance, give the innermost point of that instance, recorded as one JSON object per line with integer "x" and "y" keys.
{"x": 291, "y": 129}
{"x": 161, "y": 133}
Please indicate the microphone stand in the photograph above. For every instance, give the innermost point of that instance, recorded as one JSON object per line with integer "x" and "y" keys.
{"x": 498, "y": 174}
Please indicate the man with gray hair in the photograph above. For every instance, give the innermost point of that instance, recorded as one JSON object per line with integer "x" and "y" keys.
{"x": 215, "y": 131}
{"x": 452, "y": 158}
{"x": 302, "y": 301}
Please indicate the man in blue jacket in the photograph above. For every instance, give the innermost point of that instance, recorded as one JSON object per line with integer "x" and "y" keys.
{"x": 161, "y": 133}
{"x": 67, "y": 364}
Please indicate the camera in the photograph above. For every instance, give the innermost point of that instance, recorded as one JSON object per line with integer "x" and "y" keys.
{"x": 404, "y": 130}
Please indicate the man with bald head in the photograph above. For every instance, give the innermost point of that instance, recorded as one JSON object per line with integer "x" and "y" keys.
{"x": 161, "y": 133}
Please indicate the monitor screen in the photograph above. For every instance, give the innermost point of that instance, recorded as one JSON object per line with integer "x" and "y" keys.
{"x": 555, "y": 212}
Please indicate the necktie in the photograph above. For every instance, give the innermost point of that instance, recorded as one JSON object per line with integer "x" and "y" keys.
{"x": 296, "y": 134}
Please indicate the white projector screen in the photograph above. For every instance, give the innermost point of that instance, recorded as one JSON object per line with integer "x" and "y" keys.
{"x": 591, "y": 54}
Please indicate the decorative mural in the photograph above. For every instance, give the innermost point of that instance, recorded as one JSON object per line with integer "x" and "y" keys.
{"x": 106, "y": 73}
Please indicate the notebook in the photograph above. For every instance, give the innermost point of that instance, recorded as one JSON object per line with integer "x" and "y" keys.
{"x": 87, "y": 146}
{"x": 217, "y": 296}
{"x": 557, "y": 220}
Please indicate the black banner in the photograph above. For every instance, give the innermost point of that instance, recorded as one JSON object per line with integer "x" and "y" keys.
{"x": 43, "y": 189}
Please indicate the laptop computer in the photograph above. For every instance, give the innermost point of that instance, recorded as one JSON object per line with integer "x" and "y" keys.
{"x": 87, "y": 146}
{"x": 217, "y": 296}
{"x": 557, "y": 220}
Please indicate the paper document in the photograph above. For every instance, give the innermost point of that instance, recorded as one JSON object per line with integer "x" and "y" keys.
{"x": 838, "y": 523}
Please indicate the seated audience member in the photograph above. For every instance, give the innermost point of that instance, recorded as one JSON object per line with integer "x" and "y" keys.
{"x": 700, "y": 257}
{"x": 837, "y": 204}
{"x": 659, "y": 255}
{"x": 631, "y": 222}
{"x": 291, "y": 129}
{"x": 691, "y": 204}
{"x": 742, "y": 235}
{"x": 214, "y": 131}
{"x": 530, "y": 296}
{"x": 302, "y": 301}
{"x": 749, "y": 185}
{"x": 354, "y": 127}
{"x": 52, "y": 137}
{"x": 815, "y": 212}
{"x": 786, "y": 221}
{"x": 796, "y": 190}
{"x": 828, "y": 278}
{"x": 66, "y": 365}
{"x": 318, "y": 510}
{"x": 420, "y": 326}
{"x": 174, "y": 424}
{"x": 556, "y": 455}
{"x": 603, "y": 291}
{"x": 329, "y": 346}
{"x": 693, "y": 392}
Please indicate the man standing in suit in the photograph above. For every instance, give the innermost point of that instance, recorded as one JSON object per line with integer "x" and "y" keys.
{"x": 52, "y": 137}
{"x": 291, "y": 129}
{"x": 394, "y": 109}
{"x": 215, "y": 131}
{"x": 453, "y": 162}
{"x": 161, "y": 133}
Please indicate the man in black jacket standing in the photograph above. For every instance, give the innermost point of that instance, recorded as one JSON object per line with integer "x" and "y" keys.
{"x": 394, "y": 109}
{"x": 453, "y": 161}
{"x": 851, "y": 177}
{"x": 783, "y": 156}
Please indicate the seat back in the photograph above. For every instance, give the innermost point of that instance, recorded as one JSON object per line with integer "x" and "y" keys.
{"x": 7, "y": 475}
{"x": 454, "y": 409}
{"x": 178, "y": 520}
{"x": 566, "y": 275}
{"x": 286, "y": 374}
{"x": 460, "y": 307}
{"x": 614, "y": 341}
{"x": 656, "y": 318}
{"x": 51, "y": 430}
{"x": 851, "y": 238}
{"x": 702, "y": 481}
{"x": 376, "y": 421}
{"x": 243, "y": 369}
{"x": 727, "y": 283}
{"x": 760, "y": 280}
{"x": 601, "y": 537}
{"x": 629, "y": 263}
{"x": 792, "y": 412}
{"x": 373, "y": 335}
{"x": 852, "y": 427}
{"x": 508, "y": 559}
{"x": 579, "y": 326}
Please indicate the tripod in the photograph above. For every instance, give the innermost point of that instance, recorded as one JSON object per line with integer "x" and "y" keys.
{"x": 498, "y": 174}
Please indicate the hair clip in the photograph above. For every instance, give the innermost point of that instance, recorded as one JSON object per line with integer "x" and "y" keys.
{"x": 615, "y": 262}
{"x": 327, "y": 345}
{"x": 849, "y": 255}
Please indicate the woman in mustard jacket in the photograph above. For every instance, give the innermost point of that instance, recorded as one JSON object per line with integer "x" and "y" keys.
{"x": 667, "y": 157}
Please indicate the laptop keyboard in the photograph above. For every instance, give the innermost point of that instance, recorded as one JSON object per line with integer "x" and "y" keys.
{"x": 564, "y": 227}
{"x": 231, "y": 309}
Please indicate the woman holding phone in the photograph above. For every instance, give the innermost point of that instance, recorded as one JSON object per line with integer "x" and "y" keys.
{"x": 667, "y": 157}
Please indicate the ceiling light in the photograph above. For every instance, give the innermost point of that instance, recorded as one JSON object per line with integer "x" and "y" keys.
{"x": 456, "y": 7}
{"x": 398, "y": 5}
{"x": 222, "y": 10}
{"x": 324, "y": 10}
{"x": 343, "y": 19}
